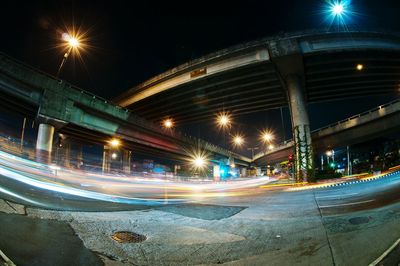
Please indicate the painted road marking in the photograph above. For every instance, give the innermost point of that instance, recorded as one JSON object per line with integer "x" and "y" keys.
{"x": 376, "y": 262}
{"x": 340, "y": 195}
{"x": 346, "y": 204}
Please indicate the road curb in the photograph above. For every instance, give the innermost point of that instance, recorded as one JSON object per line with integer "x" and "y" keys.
{"x": 346, "y": 183}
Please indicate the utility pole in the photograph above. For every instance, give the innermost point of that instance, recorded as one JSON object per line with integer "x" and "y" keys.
{"x": 349, "y": 170}
{"x": 23, "y": 133}
{"x": 252, "y": 151}
{"x": 283, "y": 126}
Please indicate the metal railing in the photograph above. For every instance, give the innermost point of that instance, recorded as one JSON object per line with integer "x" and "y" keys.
{"x": 368, "y": 112}
{"x": 357, "y": 116}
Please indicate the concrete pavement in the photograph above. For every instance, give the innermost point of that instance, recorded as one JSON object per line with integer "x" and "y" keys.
{"x": 310, "y": 227}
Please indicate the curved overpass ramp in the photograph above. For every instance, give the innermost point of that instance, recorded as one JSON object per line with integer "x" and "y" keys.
{"x": 250, "y": 77}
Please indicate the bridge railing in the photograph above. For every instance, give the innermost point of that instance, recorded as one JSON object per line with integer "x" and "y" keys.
{"x": 289, "y": 142}
{"x": 358, "y": 115}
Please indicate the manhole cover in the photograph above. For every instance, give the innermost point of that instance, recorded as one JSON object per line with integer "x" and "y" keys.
{"x": 128, "y": 237}
{"x": 359, "y": 220}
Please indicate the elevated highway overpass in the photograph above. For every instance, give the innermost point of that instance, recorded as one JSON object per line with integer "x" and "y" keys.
{"x": 251, "y": 77}
{"x": 290, "y": 69}
{"x": 373, "y": 123}
{"x": 59, "y": 106}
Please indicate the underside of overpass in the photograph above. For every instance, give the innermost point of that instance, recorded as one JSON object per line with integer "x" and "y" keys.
{"x": 289, "y": 69}
{"x": 197, "y": 90}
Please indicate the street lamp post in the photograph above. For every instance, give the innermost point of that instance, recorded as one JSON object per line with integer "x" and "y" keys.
{"x": 73, "y": 43}
{"x": 252, "y": 151}
{"x": 349, "y": 170}
{"x": 224, "y": 122}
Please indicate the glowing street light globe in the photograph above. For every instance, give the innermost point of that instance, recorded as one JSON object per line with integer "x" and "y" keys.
{"x": 73, "y": 42}
{"x": 338, "y": 9}
{"x": 168, "y": 123}
{"x": 199, "y": 162}
{"x": 267, "y": 136}
{"x": 238, "y": 140}
{"x": 115, "y": 142}
{"x": 223, "y": 120}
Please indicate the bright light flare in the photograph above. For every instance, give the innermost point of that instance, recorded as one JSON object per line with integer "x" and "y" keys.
{"x": 198, "y": 159}
{"x": 338, "y": 9}
{"x": 223, "y": 119}
{"x": 338, "y": 12}
{"x": 360, "y": 67}
{"x": 267, "y": 136}
{"x": 168, "y": 123}
{"x": 329, "y": 153}
{"x": 199, "y": 162}
{"x": 115, "y": 143}
{"x": 72, "y": 41}
{"x": 238, "y": 140}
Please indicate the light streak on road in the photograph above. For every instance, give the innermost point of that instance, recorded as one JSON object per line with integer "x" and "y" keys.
{"x": 112, "y": 188}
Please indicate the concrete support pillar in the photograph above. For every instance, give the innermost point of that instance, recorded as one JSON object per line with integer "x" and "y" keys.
{"x": 67, "y": 154}
{"x": 79, "y": 157}
{"x": 304, "y": 160}
{"x": 106, "y": 160}
{"x": 126, "y": 161}
{"x": 44, "y": 143}
{"x": 243, "y": 172}
{"x": 216, "y": 173}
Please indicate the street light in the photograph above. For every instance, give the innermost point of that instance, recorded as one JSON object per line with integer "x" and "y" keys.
{"x": 197, "y": 159}
{"x": 267, "y": 136}
{"x": 238, "y": 140}
{"x": 115, "y": 143}
{"x": 360, "y": 67}
{"x": 199, "y": 162}
{"x": 223, "y": 119}
{"x": 72, "y": 42}
{"x": 338, "y": 9}
{"x": 168, "y": 123}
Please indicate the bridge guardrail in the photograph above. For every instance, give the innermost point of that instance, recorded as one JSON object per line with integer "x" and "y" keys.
{"x": 286, "y": 142}
{"x": 357, "y": 116}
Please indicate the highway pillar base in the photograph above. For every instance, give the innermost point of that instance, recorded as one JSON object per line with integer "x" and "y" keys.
{"x": 126, "y": 161}
{"x": 44, "y": 143}
{"x": 303, "y": 152}
{"x": 106, "y": 165}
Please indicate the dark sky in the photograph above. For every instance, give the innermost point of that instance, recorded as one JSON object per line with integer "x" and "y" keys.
{"x": 135, "y": 40}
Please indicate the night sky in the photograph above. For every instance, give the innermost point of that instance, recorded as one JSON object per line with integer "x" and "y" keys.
{"x": 133, "y": 41}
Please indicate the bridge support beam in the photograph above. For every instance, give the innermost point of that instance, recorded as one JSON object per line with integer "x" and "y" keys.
{"x": 44, "y": 143}
{"x": 303, "y": 153}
